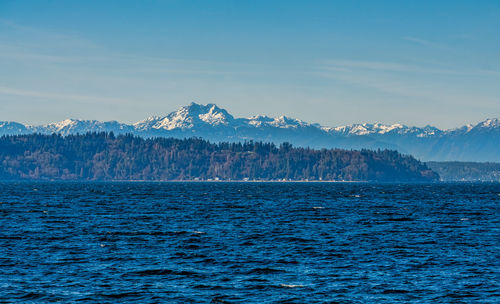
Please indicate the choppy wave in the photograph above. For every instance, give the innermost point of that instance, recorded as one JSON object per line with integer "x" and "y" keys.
{"x": 249, "y": 243}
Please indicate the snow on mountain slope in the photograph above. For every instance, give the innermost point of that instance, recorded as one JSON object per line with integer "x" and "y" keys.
{"x": 187, "y": 117}
{"x": 73, "y": 126}
{"x": 12, "y": 128}
{"x": 488, "y": 124}
{"x": 197, "y": 116}
{"x": 478, "y": 142}
{"x": 378, "y": 129}
{"x": 277, "y": 122}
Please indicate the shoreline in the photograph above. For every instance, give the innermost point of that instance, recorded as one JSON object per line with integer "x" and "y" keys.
{"x": 244, "y": 181}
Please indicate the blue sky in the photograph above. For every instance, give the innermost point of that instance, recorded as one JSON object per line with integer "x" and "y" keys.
{"x": 331, "y": 62}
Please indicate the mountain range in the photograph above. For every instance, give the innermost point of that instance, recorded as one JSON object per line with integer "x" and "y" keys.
{"x": 480, "y": 142}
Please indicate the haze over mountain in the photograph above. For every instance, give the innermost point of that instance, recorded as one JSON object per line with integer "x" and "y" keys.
{"x": 479, "y": 142}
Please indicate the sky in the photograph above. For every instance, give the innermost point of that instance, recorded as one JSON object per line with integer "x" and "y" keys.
{"x": 328, "y": 62}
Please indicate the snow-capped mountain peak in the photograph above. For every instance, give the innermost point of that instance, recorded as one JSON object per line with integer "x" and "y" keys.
{"x": 65, "y": 124}
{"x": 215, "y": 116}
{"x": 369, "y": 128}
{"x": 74, "y": 126}
{"x": 10, "y": 127}
{"x": 282, "y": 122}
{"x": 188, "y": 117}
{"x": 216, "y": 124}
{"x": 489, "y": 123}
{"x": 382, "y": 129}
{"x": 259, "y": 120}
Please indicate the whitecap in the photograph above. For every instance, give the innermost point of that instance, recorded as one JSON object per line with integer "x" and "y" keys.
{"x": 291, "y": 285}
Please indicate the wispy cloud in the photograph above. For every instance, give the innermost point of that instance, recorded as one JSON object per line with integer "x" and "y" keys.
{"x": 58, "y": 96}
{"x": 47, "y": 47}
{"x": 425, "y": 42}
{"x": 395, "y": 67}
{"x": 384, "y": 66}
{"x": 419, "y": 81}
{"x": 64, "y": 67}
{"x": 36, "y": 37}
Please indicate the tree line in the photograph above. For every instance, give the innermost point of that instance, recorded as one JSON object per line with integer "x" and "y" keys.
{"x": 467, "y": 171}
{"x": 104, "y": 156}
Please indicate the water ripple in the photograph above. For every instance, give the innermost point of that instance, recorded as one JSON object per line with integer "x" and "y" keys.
{"x": 249, "y": 243}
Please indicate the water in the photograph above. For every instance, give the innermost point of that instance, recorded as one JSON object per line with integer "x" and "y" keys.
{"x": 249, "y": 243}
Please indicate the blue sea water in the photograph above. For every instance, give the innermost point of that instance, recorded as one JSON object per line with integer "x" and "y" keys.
{"x": 249, "y": 243}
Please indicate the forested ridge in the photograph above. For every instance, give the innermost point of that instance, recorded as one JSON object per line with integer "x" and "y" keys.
{"x": 467, "y": 171}
{"x": 104, "y": 156}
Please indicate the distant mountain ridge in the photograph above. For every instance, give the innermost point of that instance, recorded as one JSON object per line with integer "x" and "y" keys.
{"x": 479, "y": 142}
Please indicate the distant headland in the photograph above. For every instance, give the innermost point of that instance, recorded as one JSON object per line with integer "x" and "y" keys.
{"x": 104, "y": 156}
